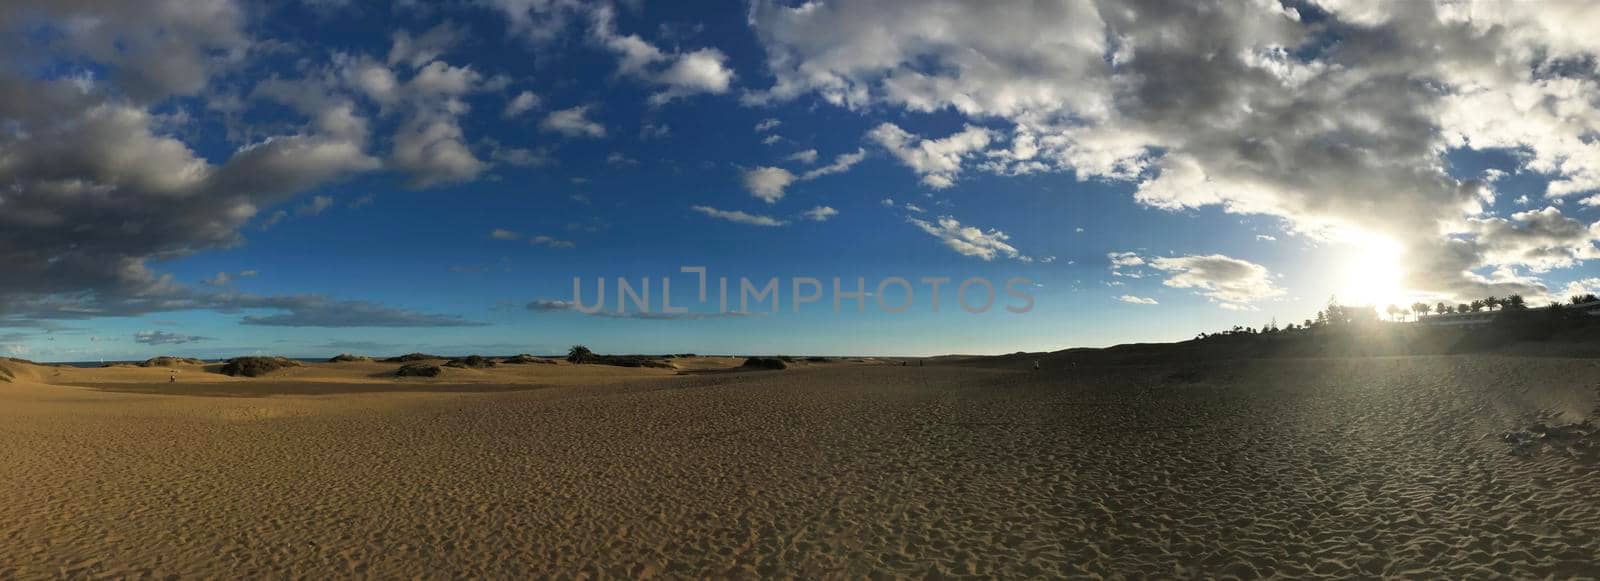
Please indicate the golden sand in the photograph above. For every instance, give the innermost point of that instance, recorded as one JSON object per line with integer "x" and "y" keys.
{"x": 1340, "y": 467}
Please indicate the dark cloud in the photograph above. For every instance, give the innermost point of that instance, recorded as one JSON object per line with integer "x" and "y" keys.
{"x": 151, "y": 49}
{"x": 311, "y": 311}
{"x": 97, "y": 182}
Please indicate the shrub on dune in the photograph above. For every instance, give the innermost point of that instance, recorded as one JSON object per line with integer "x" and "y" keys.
{"x": 409, "y": 357}
{"x": 765, "y": 363}
{"x": 256, "y": 366}
{"x": 526, "y": 359}
{"x": 630, "y": 361}
{"x": 348, "y": 358}
{"x": 418, "y": 370}
{"x": 470, "y": 362}
{"x": 580, "y": 354}
{"x": 169, "y": 361}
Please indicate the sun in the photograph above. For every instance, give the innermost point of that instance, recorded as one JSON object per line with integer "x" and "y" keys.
{"x": 1373, "y": 274}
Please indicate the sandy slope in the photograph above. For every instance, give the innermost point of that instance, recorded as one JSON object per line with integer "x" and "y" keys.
{"x": 1361, "y": 467}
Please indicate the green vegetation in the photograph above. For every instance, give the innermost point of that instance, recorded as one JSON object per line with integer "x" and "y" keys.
{"x": 256, "y": 366}
{"x": 580, "y": 354}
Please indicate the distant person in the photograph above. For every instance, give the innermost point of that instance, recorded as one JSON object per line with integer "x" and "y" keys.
{"x": 1036, "y": 365}
{"x": 172, "y": 376}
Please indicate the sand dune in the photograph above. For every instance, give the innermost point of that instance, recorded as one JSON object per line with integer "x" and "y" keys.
{"x": 1339, "y": 467}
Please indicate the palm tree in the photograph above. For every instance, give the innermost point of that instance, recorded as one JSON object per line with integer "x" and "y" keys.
{"x": 1442, "y": 308}
{"x": 1420, "y": 309}
{"x": 1515, "y": 302}
{"x": 1491, "y": 302}
{"x": 1584, "y": 298}
{"x": 579, "y": 354}
{"x": 1477, "y": 306}
{"x": 1393, "y": 311}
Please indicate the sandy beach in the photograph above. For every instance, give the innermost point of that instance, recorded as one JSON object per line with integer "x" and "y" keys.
{"x": 1356, "y": 467}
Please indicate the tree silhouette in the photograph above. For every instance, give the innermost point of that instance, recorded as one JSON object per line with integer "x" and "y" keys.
{"x": 580, "y": 354}
{"x": 1515, "y": 302}
{"x": 1463, "y": 308}
{"x": 1442, "y": 308}
{"x": 1491, "y": 302}
{"x": 1420, "y": 309}
{"x": 1393, "y": 311}
{"x": 1584, "y": 298}
{"x": 1477, "y": 306}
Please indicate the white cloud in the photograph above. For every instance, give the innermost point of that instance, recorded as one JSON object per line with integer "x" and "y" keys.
{"x": 274, "y": 219}
{"x": 650, "y": 131}
{"x": 522, "y": 103}
{"x": 840, "y": 164}
{"x": 421, "y": 50}
{"x": 504, "y": 234}
{"x": 767, "y": 124}
{"x": 768, "y": 183}
{"x": 701, "y": 71}
{"x": 440, "y": 79}
{"x": 1240, "y": 105}
{"x": 549, "y": 242}
{"x": 771, "y": 139}
{"x": 968, "y": 240}
{"x": 739, "y": 217}
{"x": 1230, "y": 281}
{"x": 1266, "y": 238}
{"x": 314, "y": 206}
{"x": 521, "y": 157}
{"x": 1120, "y": 259}
{"x": 573, "y": 122}
{"x": 1580, "y": 287}
{"x": 434, "y": 151}
{"x": 820, "y": 213}
{"x": 165, "y": 338}
{"x": 938, "y": 161}
{"x": 1539, "y": 240}
{"x": 619, "y": 159}
{"x": 1131, "y": 299}
{"x": 807, "y": 157}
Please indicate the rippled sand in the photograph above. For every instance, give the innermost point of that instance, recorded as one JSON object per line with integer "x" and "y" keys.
{"x": 1359, "y": 467}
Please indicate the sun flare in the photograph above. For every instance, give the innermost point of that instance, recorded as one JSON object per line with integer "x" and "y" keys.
{"x": 1373, "y": 275}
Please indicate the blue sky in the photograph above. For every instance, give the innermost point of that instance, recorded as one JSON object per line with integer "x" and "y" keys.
{"x": 307, "y": 178}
